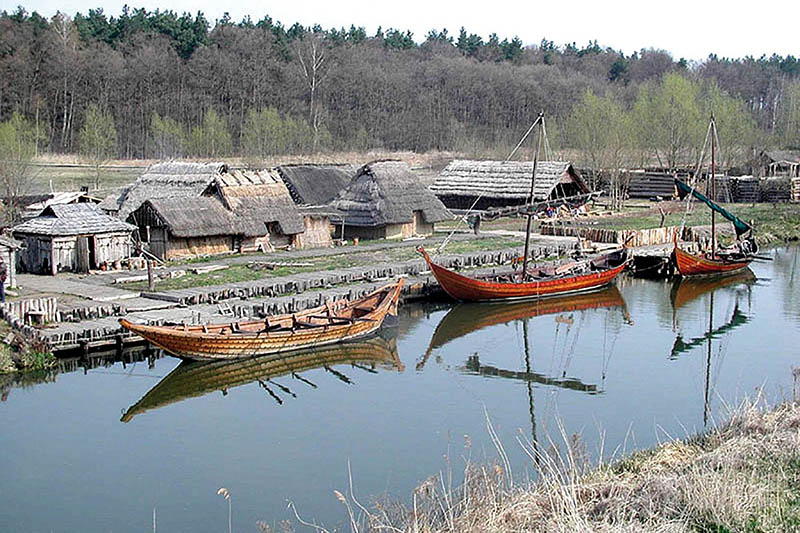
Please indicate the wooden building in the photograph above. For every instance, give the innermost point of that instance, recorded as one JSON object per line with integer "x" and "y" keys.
{"x": 237, "y": 211}
{"x": 72, "y": 237}
{"x": 311, "y": 184}
{"x": 385, "y": 200}
{"x": 504, "y": 183}
{"x": 779, "y": 163}
{"x": 9, "y": 247}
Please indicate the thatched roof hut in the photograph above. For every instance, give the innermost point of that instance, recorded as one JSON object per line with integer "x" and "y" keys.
{"x": 503, "y": 183}
{"x": 315, "y": 184}
{"x": 389, "y": 201}
{"x": 236, "y": 211}
{"x": 165, "y": 180}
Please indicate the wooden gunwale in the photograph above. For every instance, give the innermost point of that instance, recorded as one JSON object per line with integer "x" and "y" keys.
{"x": 255, "y": 337}
{"x": 467, "y": 288}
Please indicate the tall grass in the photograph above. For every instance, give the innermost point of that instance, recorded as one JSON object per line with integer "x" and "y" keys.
{"x": 742, "y": 476}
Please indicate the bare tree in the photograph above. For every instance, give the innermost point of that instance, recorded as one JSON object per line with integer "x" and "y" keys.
{"x": 311, "y": 52}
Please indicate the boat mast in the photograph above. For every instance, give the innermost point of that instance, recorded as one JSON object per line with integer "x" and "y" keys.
{"x": 713, "y": 190}
{"x": 540, "y": 120}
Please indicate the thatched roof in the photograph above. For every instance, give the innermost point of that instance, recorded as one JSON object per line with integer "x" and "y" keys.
{"x": 168, "y": 180}
{"x": 315, "y": 184}
{"x": 73, "y": 219}
{"x": 504, "y": 179}
{"x": 231, "y": 209}
{"x": 387, "y": 192}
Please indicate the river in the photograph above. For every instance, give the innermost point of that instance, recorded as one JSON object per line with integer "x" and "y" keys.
{"x": 114, "y": 447}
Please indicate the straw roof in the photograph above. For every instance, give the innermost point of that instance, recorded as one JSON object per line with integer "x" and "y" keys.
{"x": 387, "y": 192}
{"x": 73, "y": 219}
{"x": 315, "y": 184}
{"x": 167, "y": 180}
{"x": 783, "y": 156}
{"x": 236, "y": 203}
{"x": 504, "y": 179}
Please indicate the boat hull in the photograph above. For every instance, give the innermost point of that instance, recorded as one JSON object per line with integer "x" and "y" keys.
{"x": 471, "y": 289}
{"x": 695, "y": 265}
{"x": 227, "y": 343}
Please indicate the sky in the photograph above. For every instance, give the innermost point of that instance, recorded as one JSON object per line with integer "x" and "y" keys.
{"x": 687, "y": 29}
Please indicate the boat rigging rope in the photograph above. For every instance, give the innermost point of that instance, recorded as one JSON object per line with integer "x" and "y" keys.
{"x": 696, "y": 177}
{"x": 464, "y": 217}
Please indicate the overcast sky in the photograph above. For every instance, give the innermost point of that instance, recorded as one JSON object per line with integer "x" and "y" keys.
{"x": 689, "y": 29}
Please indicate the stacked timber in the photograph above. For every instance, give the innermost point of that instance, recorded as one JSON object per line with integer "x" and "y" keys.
{"x": 651, "y": 185}
{"x": 796, "y": 189}
{"x": 776, "y": 190}
{"x": 744, "y": 189}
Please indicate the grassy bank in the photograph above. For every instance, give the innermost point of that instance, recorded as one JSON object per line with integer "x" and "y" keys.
{"x": 349, "y": 257}
{"x": 744, "y": 476}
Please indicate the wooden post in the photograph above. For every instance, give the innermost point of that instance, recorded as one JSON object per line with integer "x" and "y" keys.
{"x": 150, "y": 277}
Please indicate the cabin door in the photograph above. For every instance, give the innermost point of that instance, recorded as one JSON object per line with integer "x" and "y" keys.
{"x": 82, "y": 254}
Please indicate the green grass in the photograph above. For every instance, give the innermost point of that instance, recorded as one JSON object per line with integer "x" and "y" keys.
{"x": 349, "y": 257}
{"x": 72, "y": 178}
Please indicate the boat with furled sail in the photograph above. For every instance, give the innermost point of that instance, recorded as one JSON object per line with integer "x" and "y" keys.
{"x": 192, "y": 379}
{"x": 327, "y": 324}
{"x": 539, "y": 282}
{"x": 714, "y": 262}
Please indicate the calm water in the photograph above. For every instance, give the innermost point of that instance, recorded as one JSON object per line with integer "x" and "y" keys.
{"x": 627, "y": 367}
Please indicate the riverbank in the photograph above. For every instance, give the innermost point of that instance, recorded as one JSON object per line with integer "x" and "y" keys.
{"x": 743, "y": 476}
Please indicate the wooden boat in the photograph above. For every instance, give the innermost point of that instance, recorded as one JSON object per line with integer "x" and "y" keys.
{"x": 713, "y": 262}
{"x": 326, "y": 324}
{"x": 531, "y": 283}
{"x": 577, "y": 276}
{"x": 192, "y": 379}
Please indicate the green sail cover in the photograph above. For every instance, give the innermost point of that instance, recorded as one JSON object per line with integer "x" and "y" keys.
{"x": 740, "y": 226}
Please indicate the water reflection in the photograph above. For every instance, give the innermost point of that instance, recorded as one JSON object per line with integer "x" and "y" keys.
{"x": 686, "y": 291}
{"x": 197, "y": 378}
{"x": 465, "y": 318}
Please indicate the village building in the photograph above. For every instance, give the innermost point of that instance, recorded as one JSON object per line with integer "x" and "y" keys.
{"x": 385, "y": 200}
{"x": 504, "y": 183}
{"x": 780, "y": 163}
{"x": 219, "y": 210}
{"x": 312, "y": 184}
{"x": 72, "y": 237}
{"x": 30, "y": 205}
{"x": 9, "y": 247}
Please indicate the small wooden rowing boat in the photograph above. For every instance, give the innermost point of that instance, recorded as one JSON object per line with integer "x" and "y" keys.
{"x": 577, "y": 276}
{"x": 708, "y": 264}
{"x": 326, "y": 324}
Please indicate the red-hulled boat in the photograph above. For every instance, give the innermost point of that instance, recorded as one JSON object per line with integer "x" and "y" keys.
{"x": 540, "y": 282}
{"x": 714, "y": 262}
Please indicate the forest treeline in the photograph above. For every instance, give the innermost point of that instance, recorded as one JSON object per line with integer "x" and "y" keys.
{"x": 155, "y": 84}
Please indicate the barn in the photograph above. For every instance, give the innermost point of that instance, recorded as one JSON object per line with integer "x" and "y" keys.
{"x": 385, "y": 200}
{"x": 504, "y": 183}
{"x": 72, "y": 237}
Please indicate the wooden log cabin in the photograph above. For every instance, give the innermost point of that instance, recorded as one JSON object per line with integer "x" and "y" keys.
{"x": 385, "y": 200}
{"x": 74, "y": 238}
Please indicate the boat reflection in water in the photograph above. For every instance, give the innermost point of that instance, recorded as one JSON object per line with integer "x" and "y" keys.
{"x": 465, "y": 318}
{"x": 192, "y": 379}
{"x": 687, "y": 290}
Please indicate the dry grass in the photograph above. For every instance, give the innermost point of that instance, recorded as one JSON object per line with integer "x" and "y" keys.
{"x": 743, "y": 476}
